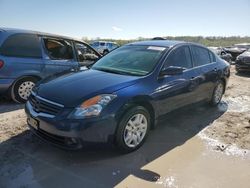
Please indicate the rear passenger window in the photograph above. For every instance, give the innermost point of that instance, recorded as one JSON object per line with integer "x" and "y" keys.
{"x": 212, "y": 57}
{"x": 201, "y": 56}
{"x": 58, "y": 48}
{"x": 22, "y": 45}
{"x": 180, "y": 58}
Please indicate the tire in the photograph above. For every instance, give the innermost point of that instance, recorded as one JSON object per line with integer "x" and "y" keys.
{"x": 131, "y": 134}
{"x": 21, "y": 89}
{"x": 217, "y": 93}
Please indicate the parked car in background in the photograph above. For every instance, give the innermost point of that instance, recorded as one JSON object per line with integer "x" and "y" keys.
{"x": 243, "y": 45}
{"x": 121, "y": 97}
{"x": 28, "y": 56}
{"x": 235, "y": 51}
{"x": 104, "y": 47}
{"x": 242, "y": 62}
{"x": 222, "y": 53}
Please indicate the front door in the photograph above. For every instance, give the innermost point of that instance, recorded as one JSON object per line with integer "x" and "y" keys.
{"x": 58, "y": 56}
{"x": 174, "y": 91}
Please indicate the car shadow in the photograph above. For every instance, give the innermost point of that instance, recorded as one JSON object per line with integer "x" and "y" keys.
{"x": 7, "y": 105}
{"x": 25, "y": 160}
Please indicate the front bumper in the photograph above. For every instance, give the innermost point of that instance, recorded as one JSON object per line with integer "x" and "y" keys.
{"x": 243, "y": 67}
{"x": 71, "y": 133}
{"x": 5, "y": 84}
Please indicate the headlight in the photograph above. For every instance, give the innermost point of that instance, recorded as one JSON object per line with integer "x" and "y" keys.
{"x": 92, "y": 106}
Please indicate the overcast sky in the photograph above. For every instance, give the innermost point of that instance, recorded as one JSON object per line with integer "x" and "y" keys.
{"x": 127, "y": 19}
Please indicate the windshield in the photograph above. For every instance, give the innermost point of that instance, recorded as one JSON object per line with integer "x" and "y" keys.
{"x": 131, "y": 60}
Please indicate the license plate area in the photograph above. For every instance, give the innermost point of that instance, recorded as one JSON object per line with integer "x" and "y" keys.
{"x": 33, "y": 122}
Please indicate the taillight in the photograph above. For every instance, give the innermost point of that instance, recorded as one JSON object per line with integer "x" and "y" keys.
{"x": 1, "y": 64}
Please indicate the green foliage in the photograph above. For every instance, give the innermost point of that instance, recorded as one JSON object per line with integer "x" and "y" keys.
{"x": 207, "y": 41}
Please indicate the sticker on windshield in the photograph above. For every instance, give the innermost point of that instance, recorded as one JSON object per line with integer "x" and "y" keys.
{"x": 158, "y": 48}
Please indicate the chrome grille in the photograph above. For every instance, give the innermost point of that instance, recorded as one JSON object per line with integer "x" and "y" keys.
{"x": 40, "y": 104}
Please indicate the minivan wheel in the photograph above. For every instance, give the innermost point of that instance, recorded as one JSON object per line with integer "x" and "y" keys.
{"x": 22, "y": 89}
{"x": 133, "y": 129}
{"x": 218, "y": 93}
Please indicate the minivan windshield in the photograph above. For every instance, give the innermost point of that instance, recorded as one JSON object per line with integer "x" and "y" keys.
{"x": 130, "y": 60}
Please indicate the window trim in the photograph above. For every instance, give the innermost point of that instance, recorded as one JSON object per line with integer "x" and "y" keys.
{"x": 24, "y": 56}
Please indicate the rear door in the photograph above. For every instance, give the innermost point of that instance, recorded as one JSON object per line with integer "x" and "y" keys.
{"x": 59, "y": 56}
{"x": 206, "y": 62}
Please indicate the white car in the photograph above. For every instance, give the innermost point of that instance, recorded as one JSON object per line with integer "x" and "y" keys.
{"x": 104, "y": 47}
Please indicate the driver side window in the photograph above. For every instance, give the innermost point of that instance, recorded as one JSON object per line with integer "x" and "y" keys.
{"x": 85, "y": 55}
{"x": 180, "y": 57}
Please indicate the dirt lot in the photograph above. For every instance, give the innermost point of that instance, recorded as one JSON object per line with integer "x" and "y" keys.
{"x": 203, "y": 147}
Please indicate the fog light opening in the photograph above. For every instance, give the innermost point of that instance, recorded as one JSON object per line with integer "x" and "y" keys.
{"x": 71, "y": 141}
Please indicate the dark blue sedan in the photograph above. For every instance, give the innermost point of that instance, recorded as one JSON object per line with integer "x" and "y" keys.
{"x": 121, "y": 97}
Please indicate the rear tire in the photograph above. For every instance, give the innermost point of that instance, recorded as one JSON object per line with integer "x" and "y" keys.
{"x": 217, "y": 93}
{"x": 21, "y": 89}
{"x": 132, "y": 129}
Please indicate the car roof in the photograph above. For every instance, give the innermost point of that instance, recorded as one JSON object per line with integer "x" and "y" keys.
{"x": 242, "y": 44}
{"x": 162, "y": 43}
{"x": 105, "y": 41}
{"x": 15, "y": 31}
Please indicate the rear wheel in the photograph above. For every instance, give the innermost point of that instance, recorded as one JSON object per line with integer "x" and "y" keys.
{"x": 133, "y": 129}
{"x": 218, "y": 93}
{"x": 22, "y": 88}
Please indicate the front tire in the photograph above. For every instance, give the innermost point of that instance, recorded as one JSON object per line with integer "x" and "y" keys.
{"x": 133, "y": 129}
{"x": 22, "y": 88}
{"x": 218, "y": 93}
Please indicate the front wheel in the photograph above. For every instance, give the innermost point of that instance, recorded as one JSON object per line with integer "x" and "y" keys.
{"x": 22, "y": 89}
{"x": 218, "y": 93}
{"x": 133, "y": 129}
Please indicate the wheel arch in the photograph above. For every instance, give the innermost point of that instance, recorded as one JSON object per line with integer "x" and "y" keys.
{"x": 143, "y": 101}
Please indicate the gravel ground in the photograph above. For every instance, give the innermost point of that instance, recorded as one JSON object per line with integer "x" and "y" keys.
{"x": 233, "y": 127}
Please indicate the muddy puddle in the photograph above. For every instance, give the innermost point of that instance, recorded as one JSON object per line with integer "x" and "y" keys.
{"x": 235, "y": 104}
{"x": 195, "y": 165}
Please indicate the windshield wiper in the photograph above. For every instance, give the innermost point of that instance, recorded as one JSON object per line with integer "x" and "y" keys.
{"x": 113, "y": 71}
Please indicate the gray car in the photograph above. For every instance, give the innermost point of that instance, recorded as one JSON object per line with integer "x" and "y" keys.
{"x": 104, "y": 47}
{"x": 28, "y": 56}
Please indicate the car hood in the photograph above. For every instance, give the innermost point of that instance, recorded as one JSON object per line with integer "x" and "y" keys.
{"x": 245, "y": 54}
{"x": 72, "y": 89}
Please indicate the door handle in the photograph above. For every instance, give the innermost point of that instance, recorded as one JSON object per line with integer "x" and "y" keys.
{"x": 215, "y": 70}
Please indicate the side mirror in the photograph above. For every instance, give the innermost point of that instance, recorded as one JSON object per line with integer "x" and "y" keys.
{"x": 172, "y": 70}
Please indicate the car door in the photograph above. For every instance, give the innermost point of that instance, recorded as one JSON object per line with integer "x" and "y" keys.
{"x": 206, "y": 62}
{"x": 22, "y": 55}
{"x": 174, "y": 91}
{"x": 58, "y": 56}
{"x": 85, "y": 55}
